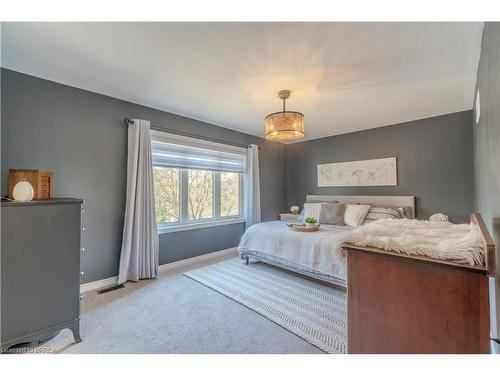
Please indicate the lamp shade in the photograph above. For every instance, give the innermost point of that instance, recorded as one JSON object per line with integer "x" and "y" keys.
{"x": 284, "y": 126}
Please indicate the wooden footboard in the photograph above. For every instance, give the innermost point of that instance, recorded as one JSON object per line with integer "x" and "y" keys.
{"x": 488, "y": 244}
{"x": 414, "y": 304}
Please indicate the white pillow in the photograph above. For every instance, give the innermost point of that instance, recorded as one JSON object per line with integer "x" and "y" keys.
{"x": 355, "y": 214}
{"x": 312, "y": 210}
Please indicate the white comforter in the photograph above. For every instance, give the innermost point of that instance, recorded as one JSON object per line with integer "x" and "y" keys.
{"x": 316, "y": 251}
{"x": 320, "y": 252}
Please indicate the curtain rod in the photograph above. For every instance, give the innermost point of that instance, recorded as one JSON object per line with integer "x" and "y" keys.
{"x": 128, "y": 121}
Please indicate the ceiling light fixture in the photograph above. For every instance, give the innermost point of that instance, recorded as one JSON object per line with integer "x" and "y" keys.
{"x": 284, "y": 125}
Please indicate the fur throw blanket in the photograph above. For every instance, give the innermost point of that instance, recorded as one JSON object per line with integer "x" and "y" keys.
{"x": 439, "y": 240}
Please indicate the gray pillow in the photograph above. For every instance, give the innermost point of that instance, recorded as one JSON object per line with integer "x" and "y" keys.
{"x": 317, "y": 201}
{"x": 332, "y": 213}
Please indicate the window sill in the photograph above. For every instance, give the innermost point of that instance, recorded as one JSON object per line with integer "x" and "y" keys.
{"x": 206, "y": 224}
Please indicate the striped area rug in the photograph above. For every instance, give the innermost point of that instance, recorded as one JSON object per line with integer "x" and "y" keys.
{"x": 312, "y": 311}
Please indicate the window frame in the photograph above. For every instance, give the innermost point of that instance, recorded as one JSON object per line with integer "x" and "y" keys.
{"x": 184, "y": 222}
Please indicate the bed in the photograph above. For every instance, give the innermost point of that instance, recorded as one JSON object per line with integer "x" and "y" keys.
{"x": 317, "y": 255}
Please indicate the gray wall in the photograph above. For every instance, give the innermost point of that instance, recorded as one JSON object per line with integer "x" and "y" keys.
{"x": 434, "y": 157}
{"x": 79, "y": 135}
{"x": 487, "y": 136}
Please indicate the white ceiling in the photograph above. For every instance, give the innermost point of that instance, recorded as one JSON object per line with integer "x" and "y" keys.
{"x": 343, "y": 76}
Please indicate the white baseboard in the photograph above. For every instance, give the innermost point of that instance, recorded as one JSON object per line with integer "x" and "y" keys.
{"x": 99, "y": 284}
{"x": 111, "y": 281}
{"x": 200, "y": 258}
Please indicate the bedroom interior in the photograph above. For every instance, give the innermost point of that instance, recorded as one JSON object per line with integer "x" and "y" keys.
{"x": 339, "y": 197}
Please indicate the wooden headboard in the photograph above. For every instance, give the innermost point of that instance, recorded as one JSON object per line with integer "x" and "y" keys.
{"x": 375, "y": 200}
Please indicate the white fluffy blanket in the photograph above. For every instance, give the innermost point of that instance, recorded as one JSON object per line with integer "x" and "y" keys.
{"x": 438, "y": 240}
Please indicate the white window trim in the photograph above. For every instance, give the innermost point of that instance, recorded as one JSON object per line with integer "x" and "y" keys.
{"x": 185, "y": 224}
{"x": 198, "y": 225}
{"x": 169, "y": 137}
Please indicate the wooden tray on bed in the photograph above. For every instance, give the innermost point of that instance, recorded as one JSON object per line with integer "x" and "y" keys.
{"x": 302, "y": 228}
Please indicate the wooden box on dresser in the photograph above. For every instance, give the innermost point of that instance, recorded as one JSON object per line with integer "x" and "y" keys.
{"x": 401, "y": 304}
{"x": 40, "y": 265}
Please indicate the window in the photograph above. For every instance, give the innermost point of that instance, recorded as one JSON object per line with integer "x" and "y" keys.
{"x": 229, "y": 191}
{"x": 167, "y": 191}
{"x": 200, "y": 194}
{"x": 196, "y": 183}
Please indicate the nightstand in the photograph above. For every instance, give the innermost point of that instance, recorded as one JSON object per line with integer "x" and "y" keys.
{"x": 289, "y": 217}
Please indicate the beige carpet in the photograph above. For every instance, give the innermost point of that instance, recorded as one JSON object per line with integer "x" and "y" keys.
{"x": 313, "y": 311}
{"x": 174, "y": 314}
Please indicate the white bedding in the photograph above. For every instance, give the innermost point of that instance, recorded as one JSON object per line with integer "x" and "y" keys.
{"x": 319, "y": 252}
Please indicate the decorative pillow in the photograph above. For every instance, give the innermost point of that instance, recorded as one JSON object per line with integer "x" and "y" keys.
{"x": 316, "y": 201}
{"x": 332, "y": 213}
{"x": 406, "y": 212}
{"x": 377, "y": 213}
{"x": 355, "y": 214}
{"x": 312, "y": 210}
{"x": 402, "y": 212}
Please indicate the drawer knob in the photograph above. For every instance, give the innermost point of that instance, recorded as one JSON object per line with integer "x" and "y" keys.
{"x": 81, "y": 297}
{"x": 83, "y": 229}
{"x": 81, "y": 273}
{"x": 82, "y": 249}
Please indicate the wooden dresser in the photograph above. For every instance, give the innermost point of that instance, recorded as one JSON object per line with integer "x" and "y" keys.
{"x": 40, "y": 264}
{"x": 414, "y": 304}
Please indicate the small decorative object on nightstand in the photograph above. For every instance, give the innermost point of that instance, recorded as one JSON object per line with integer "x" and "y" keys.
{"x": 289, "y": 217}
{"x": 295, "y": 210}
{"x": 439, "y": 217}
